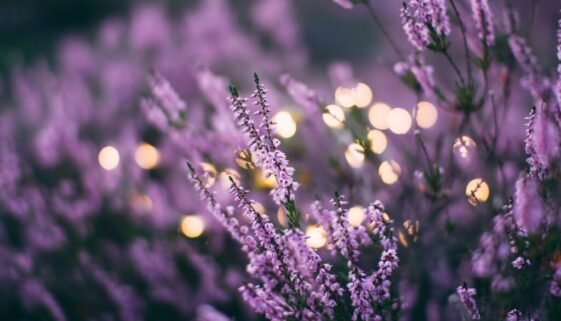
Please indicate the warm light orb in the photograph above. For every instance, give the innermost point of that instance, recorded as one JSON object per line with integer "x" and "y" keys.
{"x": 108, "y": 158}
{"x": 355, "y": 155}
{"x": 140, "y": 202}
{"x": 258, "y": 207}
{"x": 389, "y": 171}
{"x": 378, "y": 115}
{"x": 281, "y": 216}
{"x": 224, "y": 179}
{"x": 334, "y": 116}
{"x": 463, "y": 146}
{"x": 399, "y": 121}
{"x": 344, "y": 97}
{"x": 316, "y": 236}
{"x": 192, "y": 226}
{"x": 402, "y": 239}
{"x": 146, "y": 156}
{"x": 362, "y": 95}
{"x": 210, "y": 173}
{"x": 285, "y": 125}
{"x": 412, "y": 228}
{"x": 356, "y": 215}
{"x": 245, "y": 159}
{"x": 477, "y": 191}
{"x": 378, "y": 141}
{"x": 426, "y": 114}
{"x": 265, "y": 181}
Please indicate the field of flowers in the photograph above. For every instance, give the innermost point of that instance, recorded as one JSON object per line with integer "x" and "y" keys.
{"x": 287, "y": 160}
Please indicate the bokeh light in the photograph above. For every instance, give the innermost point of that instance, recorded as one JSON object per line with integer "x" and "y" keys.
{"x": 360, "y": 96}
{"x": 192, "y": 226}
{"x": 108, "y": 158}
{"x": 464, "y": 147}
{"x": 259, "y": 208}
{"x": 389, "y": 171}
{"x": 334, "y": 116}
{"x": 344, "y": 97}
{"x": 378, "y": 141}
{"x": 356, "y": 215}
{"x": 146, "y": 156}
{"x": 285, "y": 125}
{"x": 399, "y": 121}
{"x": 245, "y": 159}
{"x": 317, "y": 237}
{"x": 265, "y": 180}
{"x": 354, "y": 155}
{"x": 426, "y": 114}
{"x": 281, "y": 216}
{"x": 477, "y": 191}
{"x": 378, "y": 115}
{"x": 210, "y": 173}
{"x": 224, "y": 179}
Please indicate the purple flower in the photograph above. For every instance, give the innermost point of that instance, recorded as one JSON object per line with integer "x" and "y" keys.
{"x": 264, "y": 147}
{"x": 533, "y": 80}
{"x": 347, "y": 4}
{"x": 542, "y": 139}
{"x": 165, "y": 98}
{"x": 483, "y": 21}
{"x": 467, "y": 297}
{"x": 513, "y": 315}
{"x": 518, "y": 263}
{"x": 529, "y": 210}
{"x": 555, "y": 285}
{"x": 416, "y": 31}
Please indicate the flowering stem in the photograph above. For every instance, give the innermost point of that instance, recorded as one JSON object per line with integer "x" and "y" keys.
{"x": 464, "y": 38}
{"x": 383, "y": 30}
{"x": 456, "y": 69}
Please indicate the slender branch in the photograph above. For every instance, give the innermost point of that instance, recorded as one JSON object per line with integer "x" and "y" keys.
{"x": 447, "y": 55}
{"x": 383, "y": 30}
{"x": 464, "y": 38}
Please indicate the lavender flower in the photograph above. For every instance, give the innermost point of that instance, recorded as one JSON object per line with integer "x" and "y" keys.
{"x": 467, "y": 297}
{"x": 543, "y": 139}
{"x": 302, "y": 94}
{"x": 166, "y": 99}
{"x": 264, "y": 147}
{"x": 483, "y": 21}
{"x": 224, "y": 215}
{"x": 416, "y": 32}
{"x": 347, "y": 4}
{"x": 558, "y": 82}
{"x": 518, "y": 263}
{"x": 513, "y": 315}
{"x": 555, "y": 285}
{"x": 436, "y": 16}
{"x": 532, "y": 80}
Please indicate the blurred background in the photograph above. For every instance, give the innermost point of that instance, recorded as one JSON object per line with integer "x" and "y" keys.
{"x": 97, "y": 218}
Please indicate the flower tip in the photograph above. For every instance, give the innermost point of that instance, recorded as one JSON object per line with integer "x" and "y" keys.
{"x": 191, "y": 168}
{"x": 256, "y": 78}
{"x": 233, "y": 90}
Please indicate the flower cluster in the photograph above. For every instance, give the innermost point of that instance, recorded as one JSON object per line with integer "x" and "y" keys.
{"x": 291, "y": 279}
{"x": 467, "y": 296}
{"x": 483, "y": 21}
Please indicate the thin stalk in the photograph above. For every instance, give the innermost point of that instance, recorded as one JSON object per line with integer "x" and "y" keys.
{"x": 447, "y": 55}
{"x": 383, "y": 30}
{"x": 464, "y": 38}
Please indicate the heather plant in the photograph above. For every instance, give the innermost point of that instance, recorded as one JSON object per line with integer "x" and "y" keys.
{"x": 294, "y": 181}
{"x": 518, "y": 256}
{"x": 93, "y": 223}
